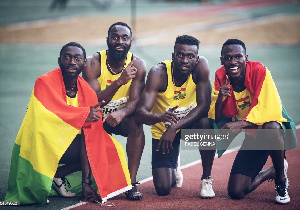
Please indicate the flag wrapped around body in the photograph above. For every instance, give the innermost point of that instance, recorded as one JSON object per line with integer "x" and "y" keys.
{"x": 48, "y": 128}
{"x": 266, "y": 105}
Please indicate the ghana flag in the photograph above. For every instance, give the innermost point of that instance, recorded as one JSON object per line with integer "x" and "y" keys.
{"x": 48, "y": 128}
{"x": 266, "y": 105}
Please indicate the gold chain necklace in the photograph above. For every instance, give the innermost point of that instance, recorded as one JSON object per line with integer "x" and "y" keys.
{"x": 71, "y": 88}
{"x": 70, "y": 92}
{"x": 110, "y": 69}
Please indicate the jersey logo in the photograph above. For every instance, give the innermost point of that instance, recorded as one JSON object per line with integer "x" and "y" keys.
{"x": 243, "y": 103}
{"x": 179, "y": 94}
{"x": 109, "y": 82}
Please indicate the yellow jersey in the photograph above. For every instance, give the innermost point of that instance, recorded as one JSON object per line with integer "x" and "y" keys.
{"x": 183, "y": 96}
{"x": 73, "y": 102}
{"x": 243, "y": 102}
{"x": 106, "y": 78}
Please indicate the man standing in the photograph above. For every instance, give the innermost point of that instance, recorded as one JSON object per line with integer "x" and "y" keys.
{"x": 118, "y": 78}
{"x": 62, "y": 125}
{"x": 177, "y": 95}
{"x": 245, "y": 96}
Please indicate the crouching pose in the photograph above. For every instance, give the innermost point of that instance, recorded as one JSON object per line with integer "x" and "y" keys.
{"x": 177, "y": 95}
{"x": 245, "y": 96}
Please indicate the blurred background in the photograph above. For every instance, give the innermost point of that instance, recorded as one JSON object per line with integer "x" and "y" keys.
{"x": 32, "y": 33}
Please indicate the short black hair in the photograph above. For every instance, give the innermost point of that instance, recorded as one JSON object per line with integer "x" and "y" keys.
{"x": 233, "y": 41}
{"x": 73, "y": 44}
{"x": 119, "y": 24}
{"x": 188, "y": 40}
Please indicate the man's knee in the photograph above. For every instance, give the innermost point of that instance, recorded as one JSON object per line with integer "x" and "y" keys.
{"x": 202, "y": 123}
{"x": 162, "y": 189}
{"x": 236, "y": 193}
{"x": 134, "y": 127}
{"x": 271, "y": 125}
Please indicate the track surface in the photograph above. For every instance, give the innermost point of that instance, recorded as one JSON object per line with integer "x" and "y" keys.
{"x": 187, "y": 197}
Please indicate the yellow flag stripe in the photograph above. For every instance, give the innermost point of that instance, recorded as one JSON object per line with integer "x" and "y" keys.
{"x": 122, "y": 157}
{"x": 45, "y": 139}
{"x": 269, "y": 107}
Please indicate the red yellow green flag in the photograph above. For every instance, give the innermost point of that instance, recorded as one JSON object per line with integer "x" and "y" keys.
{"x": 48, "y": 128}
{"x": 266, "y": 105}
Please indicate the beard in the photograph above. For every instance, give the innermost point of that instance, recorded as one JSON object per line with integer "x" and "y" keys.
{"x": 66, "y": 75}
{"x": 117, "y": 55}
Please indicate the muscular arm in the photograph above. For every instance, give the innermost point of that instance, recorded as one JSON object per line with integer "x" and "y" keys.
{"x": 203, "y": 96}
{"x": 136, "y": 87}
{"x": 92, "y": 71}
{"x": 156, "y": 81}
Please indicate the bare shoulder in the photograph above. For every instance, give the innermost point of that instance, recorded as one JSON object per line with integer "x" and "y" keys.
{"x": 203, "y": 64}
{"x": 201, "y": 71}
{"x": 159, "y": 70}
{"x": 157, "y": 77}
{"x": 93, "y": 68}
{"x": 140, "y": 64}
{"x": 93, "y": 59}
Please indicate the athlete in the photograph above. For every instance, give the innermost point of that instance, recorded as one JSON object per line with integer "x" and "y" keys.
{"x": 245, "y": 96}
{"x": 177, "y": 95}
{"x": 56, "y": 114}
{"x": 118, "y": 78}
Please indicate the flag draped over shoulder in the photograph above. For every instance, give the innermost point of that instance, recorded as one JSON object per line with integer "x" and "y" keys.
{"x": 266, "y": 105}
{"x": 48, "y": 128}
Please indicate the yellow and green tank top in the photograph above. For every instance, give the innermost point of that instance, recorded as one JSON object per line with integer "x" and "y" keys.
{"x": 184, "y": 97}
{"x": 106, "y": 78}
{"x": 73, "y": 102}
{"x": 243, "y": 102}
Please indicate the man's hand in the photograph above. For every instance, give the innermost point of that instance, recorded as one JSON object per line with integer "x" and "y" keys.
{"x": 89, "y": 194}
{"x": 114, "y": 118}
{"x": 169, "y": 116}
{"x": 94, "y": 116}
{"x": 166, "y": 140}
{"x": 224, "y": 89}
{"x": 238, "y": 125}
{"x": 128, "y": 73}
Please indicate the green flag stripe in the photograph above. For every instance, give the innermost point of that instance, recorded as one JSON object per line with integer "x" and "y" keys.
{"x": 37, "y": 186}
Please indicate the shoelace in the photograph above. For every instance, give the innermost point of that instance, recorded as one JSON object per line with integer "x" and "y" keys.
{"x": 66, "y": 181}
{"x": 280, "y": 189}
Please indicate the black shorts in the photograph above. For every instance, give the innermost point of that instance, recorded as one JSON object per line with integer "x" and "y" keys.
{"x": 114, "y": 130}
{"x": 167, "y": 160}
{"x": 72, "y": 154}
{"x": 249, "y": 162}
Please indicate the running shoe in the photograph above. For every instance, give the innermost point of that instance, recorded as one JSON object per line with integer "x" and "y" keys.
{"x": 134, "y": 194}
{"x": 282, "y": 196}
{"x": 179, "y": 178}
{"x": 59, "y": 185}
{"x": 206, "y": 188}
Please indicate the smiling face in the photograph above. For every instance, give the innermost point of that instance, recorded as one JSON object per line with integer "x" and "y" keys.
{"x": 71, "y": 62}
{"x": 234, "y": 60}
{"x": 185, "y": 58}
{"x": 119, "y": 42}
